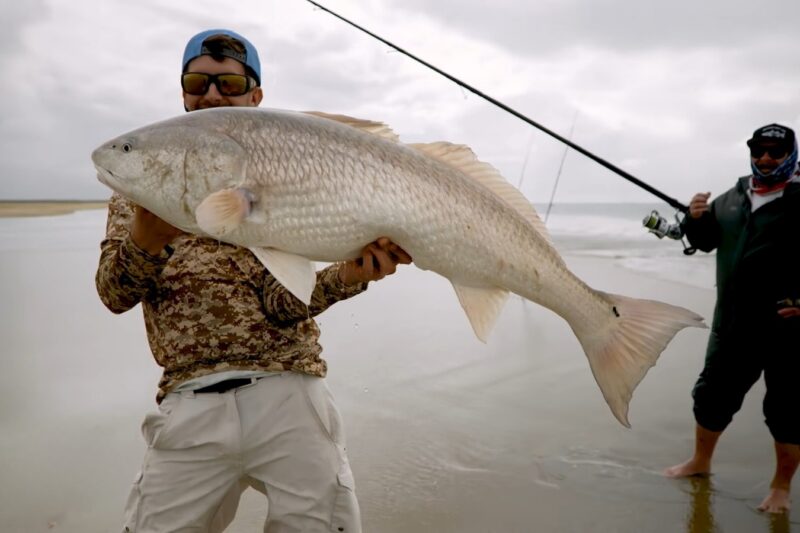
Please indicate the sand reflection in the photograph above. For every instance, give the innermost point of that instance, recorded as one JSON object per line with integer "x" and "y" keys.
{"x": 700, "y": 518}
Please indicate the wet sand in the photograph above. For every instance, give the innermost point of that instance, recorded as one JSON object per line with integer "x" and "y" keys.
{"x": 445, "y": 434}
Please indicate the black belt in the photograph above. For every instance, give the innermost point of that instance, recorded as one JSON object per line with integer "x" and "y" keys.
{"x": 226, "y": 385}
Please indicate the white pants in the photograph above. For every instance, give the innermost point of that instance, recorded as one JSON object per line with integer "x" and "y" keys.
{"x": 281, "y": 434}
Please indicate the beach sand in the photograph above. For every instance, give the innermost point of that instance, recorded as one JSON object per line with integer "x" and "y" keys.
{"x": 445, "y": 434}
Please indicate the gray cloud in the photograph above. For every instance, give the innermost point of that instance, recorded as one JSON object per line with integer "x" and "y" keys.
{"x": 14, "y": 18}
{"x": 532, "y": 28}
{"x": 667, "y": 91}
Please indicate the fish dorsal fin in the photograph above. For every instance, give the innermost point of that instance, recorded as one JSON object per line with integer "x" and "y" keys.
{"x": 464, "y": 159}
{"x": 482, "y": 306}
{"x": 376, "y": 128}
{"x": 294, "y": 272}
{"x": 221, "y": 212}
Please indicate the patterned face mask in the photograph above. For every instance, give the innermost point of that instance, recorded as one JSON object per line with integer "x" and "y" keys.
{"x": 782, "y": 172}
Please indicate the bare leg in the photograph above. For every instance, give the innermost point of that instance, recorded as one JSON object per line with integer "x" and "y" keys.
{"x": 704, "y": 442}
{"x": 787, "y": 458}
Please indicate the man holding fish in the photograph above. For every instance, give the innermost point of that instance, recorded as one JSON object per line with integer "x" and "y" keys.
{"x": 284, "y": 189}
{"x": 241, "y": 401}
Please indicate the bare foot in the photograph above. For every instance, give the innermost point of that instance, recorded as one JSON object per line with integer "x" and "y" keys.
{"x": 692, "y": 467}
{"x": 777, "y": 501}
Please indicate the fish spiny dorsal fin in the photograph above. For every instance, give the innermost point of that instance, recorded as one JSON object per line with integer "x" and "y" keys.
{"x": 464, "y": 159}
{"x": 376, "y": 128}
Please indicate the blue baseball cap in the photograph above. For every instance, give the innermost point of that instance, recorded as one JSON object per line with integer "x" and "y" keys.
{"x": 196, "y": 48}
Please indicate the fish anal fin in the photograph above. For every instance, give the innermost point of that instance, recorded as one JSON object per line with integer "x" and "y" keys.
{"x": 376, "y": 128}
{"x": 294, "y": 272}
{"x": 463, "y": 158}
{"x": 482, "y": 306}
{"x": 221, "y": 212}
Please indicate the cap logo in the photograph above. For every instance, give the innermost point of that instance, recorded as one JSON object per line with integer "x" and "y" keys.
{"x": 778, "y": 133}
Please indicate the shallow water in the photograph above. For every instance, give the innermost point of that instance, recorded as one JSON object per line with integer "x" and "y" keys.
{"x": 445, "y": 434}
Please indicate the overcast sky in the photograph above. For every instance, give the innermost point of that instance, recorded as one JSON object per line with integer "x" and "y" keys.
{"x": 669, "y": 91}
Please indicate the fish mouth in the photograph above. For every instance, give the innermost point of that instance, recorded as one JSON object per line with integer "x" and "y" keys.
{"x": 107, "y": 178}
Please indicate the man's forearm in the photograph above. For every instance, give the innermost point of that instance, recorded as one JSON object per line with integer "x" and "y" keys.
{"x": 283, "y": 307}
{"x": 702, "y": 233}
{"x": 125, "y": 274}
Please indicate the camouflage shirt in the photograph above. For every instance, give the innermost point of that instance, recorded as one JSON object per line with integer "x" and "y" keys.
{"x": 210, "y": 306}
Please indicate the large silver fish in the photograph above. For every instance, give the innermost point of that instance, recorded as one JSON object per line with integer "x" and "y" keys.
{"x": 301, "y": 187}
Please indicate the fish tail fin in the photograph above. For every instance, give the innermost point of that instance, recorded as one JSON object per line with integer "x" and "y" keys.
{"x": 622, "y": 346}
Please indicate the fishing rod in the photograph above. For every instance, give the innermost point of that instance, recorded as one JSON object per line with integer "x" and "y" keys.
{"x": 657, "y": 225}
{"x": 671, "y": 201}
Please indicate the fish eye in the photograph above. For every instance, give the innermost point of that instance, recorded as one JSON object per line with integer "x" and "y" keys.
{"x": 127, "y": 147}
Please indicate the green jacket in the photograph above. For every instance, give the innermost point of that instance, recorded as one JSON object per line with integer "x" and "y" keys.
{"x": 758, "y": 255}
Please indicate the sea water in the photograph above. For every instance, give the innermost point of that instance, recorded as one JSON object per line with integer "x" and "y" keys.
{"x": 612, "y": 230}
{"x": 616, "y": 230}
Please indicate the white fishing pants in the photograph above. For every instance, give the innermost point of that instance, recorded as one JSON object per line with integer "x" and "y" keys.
{"x": 281, "y": 434}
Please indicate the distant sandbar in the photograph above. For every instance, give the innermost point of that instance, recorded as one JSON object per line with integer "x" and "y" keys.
{"x": 46, "y": 208}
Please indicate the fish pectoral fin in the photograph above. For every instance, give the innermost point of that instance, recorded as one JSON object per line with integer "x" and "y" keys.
{"x": 294, "y": 272}
{"x": 482, "y": 305}
{"x": 221, "y": 212}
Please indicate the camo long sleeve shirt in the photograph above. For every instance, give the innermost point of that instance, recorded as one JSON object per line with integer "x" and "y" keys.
{"x": 211, "y": 306}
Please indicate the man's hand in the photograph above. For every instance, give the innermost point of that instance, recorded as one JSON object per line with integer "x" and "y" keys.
{"x": 699, "y": 204}
{"x": 150, "y": 233}
{"x": 378, "y": 260}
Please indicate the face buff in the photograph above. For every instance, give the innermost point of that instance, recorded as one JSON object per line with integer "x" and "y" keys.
{"x": 777, "y": 178}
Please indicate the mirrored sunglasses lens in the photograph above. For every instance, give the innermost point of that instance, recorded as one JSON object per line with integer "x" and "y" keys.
{"x": 194, "y": 83}
{"x": 232, "y": 84}
{"x": 775, "y": 152}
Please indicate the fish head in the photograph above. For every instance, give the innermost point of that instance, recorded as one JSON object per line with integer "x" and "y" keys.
{"x": 170, "y": 167}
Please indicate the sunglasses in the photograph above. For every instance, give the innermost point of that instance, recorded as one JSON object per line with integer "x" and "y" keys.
{"x": 197, "y": 83}
{"x": 775, "y": 152}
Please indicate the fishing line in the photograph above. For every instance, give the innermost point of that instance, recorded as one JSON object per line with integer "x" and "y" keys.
{"x": 671, "y": 201}
{"x": 560, "y": 168}
{"x": 525, "y": 162}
